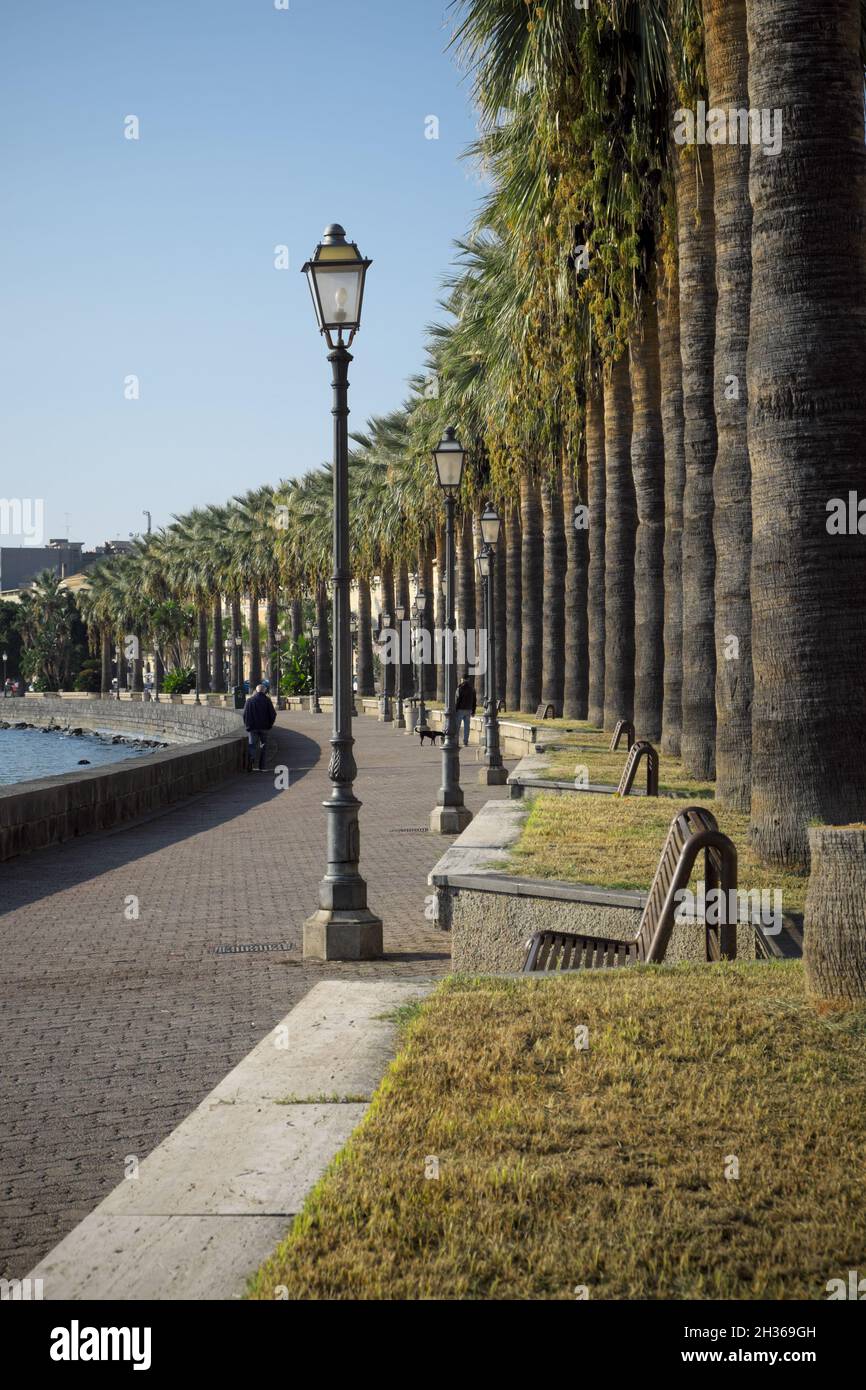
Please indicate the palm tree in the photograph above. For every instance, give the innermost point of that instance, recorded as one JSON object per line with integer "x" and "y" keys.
{"x": 647, "y": 457}
{"x": 807, "y": 422}
{"x": 532, "y": 592}
{"x": 553, "y": 593}
{"x": 621, "y": 524}
{"x": 597, "y": 476}
{"x": 727, "y": 58}
{"x": 514, "y": 606}
{"x": 698, "y": 297}
{"x": 671, "y": 376}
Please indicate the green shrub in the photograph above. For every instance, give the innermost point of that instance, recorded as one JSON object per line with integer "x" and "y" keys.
{"x": 179, "y": 682}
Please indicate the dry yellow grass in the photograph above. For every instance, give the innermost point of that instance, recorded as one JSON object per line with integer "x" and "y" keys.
{"x": 617, "y": 842}
{"x": 604, "y": 1168}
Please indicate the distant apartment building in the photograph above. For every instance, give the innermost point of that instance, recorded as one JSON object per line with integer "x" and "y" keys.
{"x": 20, "y": 564}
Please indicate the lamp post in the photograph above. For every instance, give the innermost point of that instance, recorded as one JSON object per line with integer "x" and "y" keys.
{"x": 385, "y": 711}
{"x": 400, "y": 716}
{"x": 313, "y": 639}
{"x": 420, "y": 610}
{"x": 5, "y": 659}
{"x": 195, "y": 650}
{"x": 343, "y": 928}
{"x": 449, "y": 816}
{"x": 492, "y": 774}
{"x": 353, "y": 629}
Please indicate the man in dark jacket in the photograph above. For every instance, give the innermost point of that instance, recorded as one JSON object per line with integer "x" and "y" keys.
{"x": 465, "y": 705}
{"x": 259, "y": 716}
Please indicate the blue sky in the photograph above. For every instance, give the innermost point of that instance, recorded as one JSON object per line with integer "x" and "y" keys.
{"x": 155, "y": 257}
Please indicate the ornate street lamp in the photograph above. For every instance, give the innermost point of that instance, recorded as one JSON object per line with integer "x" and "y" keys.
{"x": 195, "y": 647}
{"x": 343, "y": 928}
{"x": 492, "y": 774}
{"x": 400, "y": 717}
{"x": 449, "y": 816}
{"x": 421, "y": 609}
{"x": 385, "y": 712}
{"x": 278, "y": 660}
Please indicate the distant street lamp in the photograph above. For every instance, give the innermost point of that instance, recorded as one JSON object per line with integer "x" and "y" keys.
{"x": 343, "y": 928}
{"x": 493, "y": 774}
{"x": 278, "y": 661}
{"x": 400, "y": 717}
{"x": 195, "y": 647}
{"x": 385, "y": 712}
{"x": 449, "y": 816}
{"x": 353, "y": 629}
{"x": 421, "y": 608}
{"x": 5, "y": 658}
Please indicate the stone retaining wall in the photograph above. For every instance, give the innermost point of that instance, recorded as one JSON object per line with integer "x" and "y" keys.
{"x": 212, "y": 746}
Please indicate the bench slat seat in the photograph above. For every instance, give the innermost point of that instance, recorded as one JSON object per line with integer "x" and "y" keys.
{"x": 692, "y": 831}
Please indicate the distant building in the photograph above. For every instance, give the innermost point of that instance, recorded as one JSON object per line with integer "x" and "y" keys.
{"x": 20, "y": 564}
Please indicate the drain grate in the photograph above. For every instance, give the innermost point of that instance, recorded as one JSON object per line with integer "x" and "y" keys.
{"x": 411, "y": 830}
{"x": 253, "y": 948}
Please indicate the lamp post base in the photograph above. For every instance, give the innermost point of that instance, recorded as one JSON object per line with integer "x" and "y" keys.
{"x": 331, "y": 934}
{"x": 385, "y": 715}
{"x": 493, "y": 776}
{"x": 449, "y": 820}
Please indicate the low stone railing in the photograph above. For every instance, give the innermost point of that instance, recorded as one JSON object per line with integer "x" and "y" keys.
{"x": 210, "y": 746}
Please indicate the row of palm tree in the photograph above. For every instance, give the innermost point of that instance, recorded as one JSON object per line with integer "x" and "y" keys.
{"x": 652, "y": 354}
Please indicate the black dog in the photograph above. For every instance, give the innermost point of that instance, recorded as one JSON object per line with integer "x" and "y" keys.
{"x": 432, "y": 734}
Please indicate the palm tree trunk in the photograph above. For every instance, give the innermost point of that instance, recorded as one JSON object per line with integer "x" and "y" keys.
{"x": 105, "y": 661}
{"x": 158, "y": 673}
{"x": 532, "y": 592}
{"x": 620, "y": 527}
{"x": 807, "y": 423}
{"x": 575, "y": 703}
{"x": 648, "y": 467}
{"x": 324, "y": 665}
{"x": 696, "y": 224}
{"x": 671, "y": 373}
{"x": 597, "y": 478}
{"x": 405, "y": 648}
{"x": 255, "y": 642}
{"x": 219, "y": 679}
{"x": 500, "y": 622}
{"x": 514, "y": 607}
{"x": 237, "y": 645}
{"x": 297, "y": 611}
{"x": 554, "y": 570}
{"x": 466, "y": 590}
{"x": 727, "y": 57}
{"x": 366, "y": 684}
{"x": 271, "y": 613}
{"x": 201, "y": 654}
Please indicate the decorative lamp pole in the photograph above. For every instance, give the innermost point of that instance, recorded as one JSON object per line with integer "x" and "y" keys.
{"x": 195, "y": 647}
{"x": 343, "y": 928}
{"x": 400, "y": 717}
{"x": 353, "y": 629}
{"x": 449, "y": 816}
{"x": 492, "y": 774}
{"x": 385, "y": 712}
{"x": 421, "y": 607}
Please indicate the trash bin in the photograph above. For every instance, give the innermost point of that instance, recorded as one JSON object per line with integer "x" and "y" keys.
{"x": 240, "y": 697}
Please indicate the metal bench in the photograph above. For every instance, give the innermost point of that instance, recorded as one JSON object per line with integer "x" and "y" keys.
{"x": 692, "y": 831}
{"x": 639, "y": 750}
{"x": 624, "y": 726}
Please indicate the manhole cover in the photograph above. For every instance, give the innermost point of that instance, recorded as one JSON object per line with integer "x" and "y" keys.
{"x": 252, "y": 948}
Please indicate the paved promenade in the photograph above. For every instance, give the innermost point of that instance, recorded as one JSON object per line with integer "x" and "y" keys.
{"x": 114, "y": 1028}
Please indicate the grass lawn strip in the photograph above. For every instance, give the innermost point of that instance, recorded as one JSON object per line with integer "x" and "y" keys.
{"x": 603, "y": 1168}
{"x": 617, "y": 842}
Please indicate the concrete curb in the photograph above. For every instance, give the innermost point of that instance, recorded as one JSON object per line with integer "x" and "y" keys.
{"x": 215, "y": 1198}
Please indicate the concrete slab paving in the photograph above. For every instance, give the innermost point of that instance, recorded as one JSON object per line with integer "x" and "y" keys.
{"x": 212, "y": 1201}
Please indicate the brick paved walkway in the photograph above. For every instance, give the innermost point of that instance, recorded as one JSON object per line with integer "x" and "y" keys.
{"x": 112, "y": 1030}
